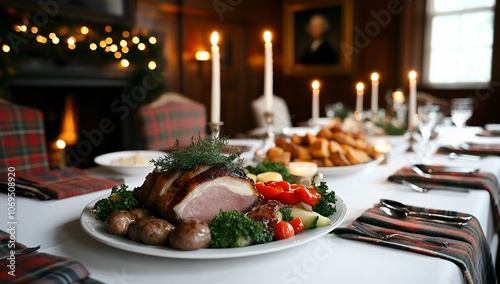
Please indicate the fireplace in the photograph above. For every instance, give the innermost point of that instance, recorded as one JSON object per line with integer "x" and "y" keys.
{"x": 95, "y": 128}
{"x": 86, "y": 74}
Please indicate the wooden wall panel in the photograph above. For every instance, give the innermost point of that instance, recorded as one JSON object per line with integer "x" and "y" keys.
{"x": 391, "y": 51}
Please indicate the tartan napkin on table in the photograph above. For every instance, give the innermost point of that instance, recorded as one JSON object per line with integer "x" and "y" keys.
{"x": 65, "y": 182}
{"x": 40, "y": 267}
{"x": 489, "y": 133}
{"x": 475, "y": 149}
{"x": 486, "y": 181}
{"x": 467, "y": 246}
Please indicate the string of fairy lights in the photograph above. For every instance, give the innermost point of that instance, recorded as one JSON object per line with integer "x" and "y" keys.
{"x": 118, "y": 47}
{"x": 63, "y": 41}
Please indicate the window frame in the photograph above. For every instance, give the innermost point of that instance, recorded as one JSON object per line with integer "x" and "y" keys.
{"x": 429, "y": 16}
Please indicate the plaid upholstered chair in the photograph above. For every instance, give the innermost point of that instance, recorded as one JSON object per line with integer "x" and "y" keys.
{"x": 170, "y": 117}
{"x": 22, "y": 139}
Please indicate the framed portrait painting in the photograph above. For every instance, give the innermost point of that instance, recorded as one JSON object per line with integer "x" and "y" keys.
{"x": 318, "y": 36}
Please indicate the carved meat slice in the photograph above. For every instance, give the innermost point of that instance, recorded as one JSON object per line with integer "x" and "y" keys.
{"x": 196, "y": 194}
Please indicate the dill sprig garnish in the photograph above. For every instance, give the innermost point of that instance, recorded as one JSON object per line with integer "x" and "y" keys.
{"x": 208, "y": 152}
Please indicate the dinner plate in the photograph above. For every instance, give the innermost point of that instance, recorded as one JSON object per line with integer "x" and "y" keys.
{"x": 106, "y": 160}
{"x": 301, "y": 131}
{"x": 96, "y": 230}
{"x": 349, "y": 170}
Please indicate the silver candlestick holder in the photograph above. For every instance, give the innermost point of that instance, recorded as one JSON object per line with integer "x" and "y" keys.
{"x": 268, "y": 140}
{"x": 215, "y": 129}
{"x": 411, "y": 138}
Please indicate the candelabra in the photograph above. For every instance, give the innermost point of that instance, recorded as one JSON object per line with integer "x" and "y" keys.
{"x": 215, "y": 129}
{"x": 268, "y": 140}
{"x": 411, "y": 138}
{"x": 400, "y": 110}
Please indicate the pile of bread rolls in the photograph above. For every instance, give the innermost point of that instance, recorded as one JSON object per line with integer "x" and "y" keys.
{"x": 330, "y": 147}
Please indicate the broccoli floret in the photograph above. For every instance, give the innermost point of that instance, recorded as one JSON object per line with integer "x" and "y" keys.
{"x": 324, "y": 205}
{"x": 286, "y": 214}
{"x": 269, "y": 166}
{"x": 232, "y": 229}
{"x": 119, "y": 199}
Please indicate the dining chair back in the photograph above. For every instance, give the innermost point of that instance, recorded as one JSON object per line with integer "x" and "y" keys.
{"x": 281, "y": 115}
{"x": 22, "y": 139}
{"x": 169, "y": 118}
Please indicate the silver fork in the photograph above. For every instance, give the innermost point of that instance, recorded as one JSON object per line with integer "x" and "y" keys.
{"x": 426, "y": 189}
{"x": 376, "y": 235}
{"x": 21, "y": 252}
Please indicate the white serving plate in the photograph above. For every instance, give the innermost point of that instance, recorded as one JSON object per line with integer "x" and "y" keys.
{"x": 96, "y": 230}
{"x": 301, "y": 131}
{"x": 349, "y": 170}
{"x": 105, "y": 160}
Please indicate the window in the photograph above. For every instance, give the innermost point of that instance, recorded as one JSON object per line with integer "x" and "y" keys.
{"x": 459, "y": 42}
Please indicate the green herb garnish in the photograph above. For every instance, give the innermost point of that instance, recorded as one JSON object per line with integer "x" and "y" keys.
{"x": 286, "y": 214}
{"x": 232, "y": 229}
{"x": 200, "y": 151}
{"x": 324, "y": 205}
{"x": 119, "y": 199}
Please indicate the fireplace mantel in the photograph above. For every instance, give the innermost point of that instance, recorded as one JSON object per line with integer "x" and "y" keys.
{"x": 44, "y": 73}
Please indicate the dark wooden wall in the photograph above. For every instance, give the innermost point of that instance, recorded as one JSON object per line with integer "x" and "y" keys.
{"x": 185, "y": 27}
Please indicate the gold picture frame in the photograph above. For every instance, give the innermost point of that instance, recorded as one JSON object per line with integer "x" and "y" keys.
{"x": 331, "y": 24}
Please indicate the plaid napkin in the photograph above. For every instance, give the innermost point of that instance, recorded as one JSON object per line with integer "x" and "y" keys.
{"x": 486, "y": 181}
{"x": 39, "y": 267}
{"x": 62, "y": 183}
{"x": 475, "y": 149}
{"x": 489, "y": 133}
{"x": 467, "y": 246}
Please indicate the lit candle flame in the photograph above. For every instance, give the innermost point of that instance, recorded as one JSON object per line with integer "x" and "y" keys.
{"x": 360, "y": 86}
{"x": 60, "y": 144}
{"x": 214, "y": 39}
{"x": 267, "y": 36}
{"x": 315, "y": 84}
{"x": 412, "y": 75}
{"x": 374, "y": 77}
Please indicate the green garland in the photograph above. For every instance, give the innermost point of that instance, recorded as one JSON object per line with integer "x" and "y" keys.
{"x": 20, "y": 40}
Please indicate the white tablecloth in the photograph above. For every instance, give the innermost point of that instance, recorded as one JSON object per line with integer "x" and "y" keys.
{"x": 55, "y": 226}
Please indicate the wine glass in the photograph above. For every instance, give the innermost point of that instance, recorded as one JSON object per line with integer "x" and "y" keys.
{"x": 461, "y": 111}
{"x": 428, "y": 116}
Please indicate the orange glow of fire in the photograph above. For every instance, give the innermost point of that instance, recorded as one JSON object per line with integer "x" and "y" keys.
{"x": 69, "y": 122}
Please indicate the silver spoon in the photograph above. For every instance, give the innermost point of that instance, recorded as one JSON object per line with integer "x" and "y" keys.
{"x": 454, "y": 156}
{"x": 376, "y": 235}
{"x": 431, "y": 170}
{"x": 395, "y": 205}
{"x": 417, "y": 170}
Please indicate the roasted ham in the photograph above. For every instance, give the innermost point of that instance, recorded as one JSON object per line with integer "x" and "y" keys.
{"x": 196, "y": 194}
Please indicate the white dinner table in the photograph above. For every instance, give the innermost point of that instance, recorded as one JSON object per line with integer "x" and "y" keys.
{"x": 55, "y": 225}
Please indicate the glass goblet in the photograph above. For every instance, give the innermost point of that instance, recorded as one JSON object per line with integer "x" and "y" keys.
{"x": 428, "y": 116}
{"x": 461, "y": 111}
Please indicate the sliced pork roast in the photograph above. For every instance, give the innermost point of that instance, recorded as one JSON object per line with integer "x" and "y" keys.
{"x": 196, "y": 194}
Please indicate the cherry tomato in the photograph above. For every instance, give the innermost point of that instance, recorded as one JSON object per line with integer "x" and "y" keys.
{"x": 305, "y": 195}
{"x": 297, "y": 225}
{"x": 314, "y": 192}
{"x": 269, "y": 192}
{"x": 283, "y": 230}
{"x": 287, "y": 197}
{"x": 284, "y": 185}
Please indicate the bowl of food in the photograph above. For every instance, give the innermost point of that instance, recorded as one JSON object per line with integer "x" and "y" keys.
{"x": 129, "y": 162}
